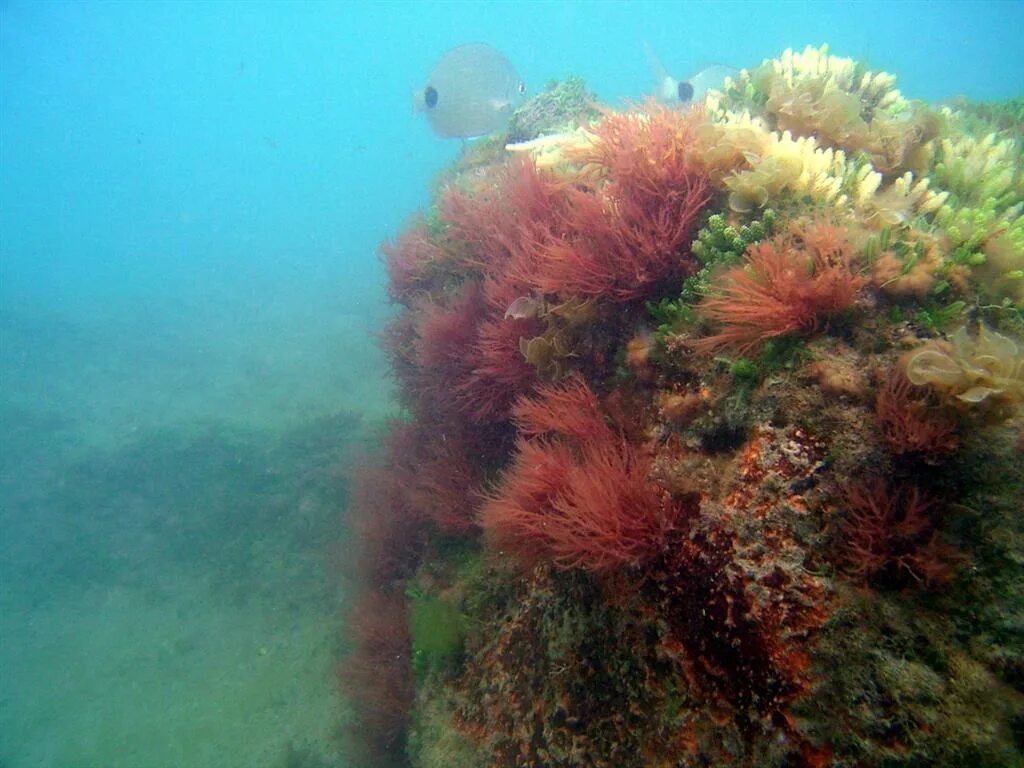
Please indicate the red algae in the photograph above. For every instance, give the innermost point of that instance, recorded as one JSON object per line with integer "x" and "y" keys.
{"x": 579, "y": 498}
{"x": 909, "y": 424}
{"x": 888, "y": 536}
{"x": 644, "y": 556}
{"x": 784, "y": 287}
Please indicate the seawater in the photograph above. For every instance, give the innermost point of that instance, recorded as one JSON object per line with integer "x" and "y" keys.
{"x": 191, "y": 200}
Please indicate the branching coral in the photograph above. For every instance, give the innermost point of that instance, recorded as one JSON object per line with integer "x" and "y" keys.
{"x": 756, "y": 165}
{"x": 857, "y": 141}
{"x": 875, "y": 90}
{"x": 897, "y": 203}
{"x": 988, "y": 368}
{"x": 978, "y": 169}
{"x": 785, "y": 287}
{"x": 983, "y": 220}
{"x": 815, "y": 94}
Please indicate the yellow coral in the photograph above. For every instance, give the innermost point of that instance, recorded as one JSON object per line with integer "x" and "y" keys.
{"x": 823, "y": 169}
{"x": 840, "y": 105}
{"x": 813, "y": 93}
{"x": 989, "y": 367}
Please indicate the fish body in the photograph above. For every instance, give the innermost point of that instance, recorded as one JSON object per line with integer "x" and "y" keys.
{"x": 693, "y": 89}
{"x": 708, "y": 79}
{"x": 472, "y": 90}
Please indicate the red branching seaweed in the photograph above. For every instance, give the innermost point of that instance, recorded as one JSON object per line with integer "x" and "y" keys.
{"x": 377, "y": 675}
{"x": 633, "y": 227}
{"x": 568, "y": 408}
{"x": 783, "y": 288}
{"x": 907, "y": 423}
{"x": 499, "y": 371}
{"x": 446, "y": 332}
{"x": 409, "y": 260}
{"x": 619, "y": 232}
{"x": 889, "y": 538}
{"x": 442, "y": 487}
{"x": 468, "y": 359}
{"x": 582, "y": 503}
{"x": 506, "y": 219}
{"x": 389, "y": 535}
{"x": 594, "y": 510}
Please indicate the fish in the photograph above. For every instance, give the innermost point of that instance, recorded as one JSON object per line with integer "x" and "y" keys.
{"x": 691, "y": 90}
{"x": 472, "y": 91}
{"x": 524, "y": 308}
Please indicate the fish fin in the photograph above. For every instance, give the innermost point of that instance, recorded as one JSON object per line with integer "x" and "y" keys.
{"x": 658, "y": 71}
{"x": 665, "y": 86}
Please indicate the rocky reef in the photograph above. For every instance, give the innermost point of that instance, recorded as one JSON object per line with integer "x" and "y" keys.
{"x": 713, "y": 441}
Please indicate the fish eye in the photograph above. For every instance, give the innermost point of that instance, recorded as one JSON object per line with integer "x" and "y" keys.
{"x": 685, "y": 91}
{"x": 430, "y": 96}
{"x": 521, "y": 88}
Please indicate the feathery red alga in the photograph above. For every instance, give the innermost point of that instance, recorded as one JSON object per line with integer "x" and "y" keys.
{"x": 579, "y": 497}
{"x": 888, "y": 536}
{"x": 785, "y": 286}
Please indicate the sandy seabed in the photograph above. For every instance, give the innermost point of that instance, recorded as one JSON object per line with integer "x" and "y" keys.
{"x": 172, "y": 505}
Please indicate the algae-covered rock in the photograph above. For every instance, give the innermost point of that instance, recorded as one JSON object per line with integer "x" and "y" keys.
{"x": 733, "y": 488}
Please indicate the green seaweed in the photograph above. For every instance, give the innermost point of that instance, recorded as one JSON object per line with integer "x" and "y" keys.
{"x": 935, "y": 317}
{"x": 720, "y": 244}
{"x": 438, "y": 631}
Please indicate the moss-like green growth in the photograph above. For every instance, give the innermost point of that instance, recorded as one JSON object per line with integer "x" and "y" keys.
{"x": 985, "y": 116}
{"x": 935, "y": 317}
{"x": 719, "y": 244}
{"x": 670, "y": 315}
{"x": 783, "y": 353}
{"x": 562, "y": 105}
{"x": 438, "y": 632}
{"x": 745, "y": 373}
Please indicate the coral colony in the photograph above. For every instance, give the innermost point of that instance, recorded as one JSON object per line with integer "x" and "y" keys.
{"x": 712, "y": 449}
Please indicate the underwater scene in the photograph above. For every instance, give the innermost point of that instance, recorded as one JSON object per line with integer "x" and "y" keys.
{"x": 463, "y": 384}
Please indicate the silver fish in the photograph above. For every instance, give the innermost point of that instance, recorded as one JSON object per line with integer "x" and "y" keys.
{"x": 689, "y": 91}
{"x": 472, "y": 90}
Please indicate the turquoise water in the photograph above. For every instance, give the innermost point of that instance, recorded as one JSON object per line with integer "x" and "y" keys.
{"x": 191, "y": 198}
